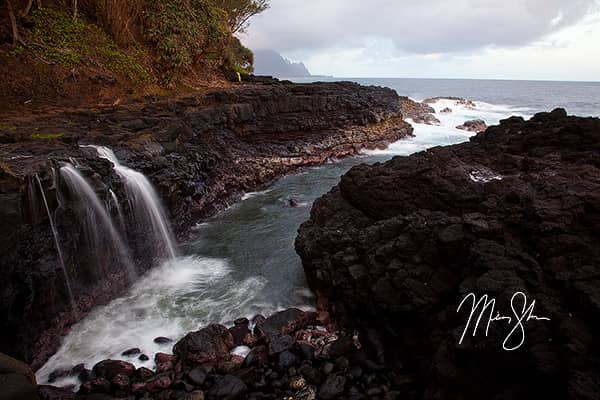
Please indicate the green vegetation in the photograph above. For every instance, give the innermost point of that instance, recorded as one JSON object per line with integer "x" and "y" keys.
{"x": 58, "y": 38}
{"x": 47, "y": 136}
{"x": 4, "y": 127}
{"x": 169, "y": 37}
{"x": 186, "y": 32}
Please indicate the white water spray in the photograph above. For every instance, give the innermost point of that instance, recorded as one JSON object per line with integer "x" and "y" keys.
{"x": 99, "y": 217}
{"x": 57, "y": 243}
{"x": 145, "y": 202}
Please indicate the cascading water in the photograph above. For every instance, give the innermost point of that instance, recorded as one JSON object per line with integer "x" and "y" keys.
{"x": 117, "y": 205}
{"x": 145, "y": 203}
{"x": 57, "y": 243}
{"x": 97, "y": 219}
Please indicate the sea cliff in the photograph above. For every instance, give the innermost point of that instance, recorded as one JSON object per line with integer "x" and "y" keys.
{"x": 199, "y": 153}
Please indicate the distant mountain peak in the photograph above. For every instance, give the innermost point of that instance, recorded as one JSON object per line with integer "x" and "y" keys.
{"x": 270, "y": 62}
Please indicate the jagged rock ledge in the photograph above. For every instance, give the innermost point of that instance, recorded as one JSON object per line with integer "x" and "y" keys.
{"x": 200, "y": 153}
{"x": 289, "y": 355}
{"x": 395, "y": 247}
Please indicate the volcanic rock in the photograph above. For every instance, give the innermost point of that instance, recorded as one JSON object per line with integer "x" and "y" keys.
{"x": 475, "y": 125}
{"x": 515, "y": 209}
{"x": 199, "y": 153}
{"x": 211, "y": 344}
{"x": 420, "y": 113}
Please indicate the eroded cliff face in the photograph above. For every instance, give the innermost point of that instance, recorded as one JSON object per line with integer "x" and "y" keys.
{"x": 199, "y": 153}
{"x": 395, "y": 247}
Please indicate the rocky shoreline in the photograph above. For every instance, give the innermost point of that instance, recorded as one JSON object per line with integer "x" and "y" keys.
{"x": 200, "y": 153}
{"x": 291, "y": 354}
{"x": 396, "y": 247}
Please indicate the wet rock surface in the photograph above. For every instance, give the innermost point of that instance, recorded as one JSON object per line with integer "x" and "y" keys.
{"x": 420, "y": 113}
{"x": 278, "y": 366}
{"x": 395, "y": 247}
{"x": 200, "y": 154}
{"x": 475, "y": 125}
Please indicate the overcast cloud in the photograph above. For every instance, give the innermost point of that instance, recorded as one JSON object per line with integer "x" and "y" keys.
{"x": 406, "y": 31}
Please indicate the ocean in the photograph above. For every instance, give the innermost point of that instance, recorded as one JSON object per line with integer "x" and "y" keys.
{"x": 242, "y": 262}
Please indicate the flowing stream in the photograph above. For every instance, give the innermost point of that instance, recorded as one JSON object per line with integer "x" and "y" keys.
{"x": 239, "y": 263}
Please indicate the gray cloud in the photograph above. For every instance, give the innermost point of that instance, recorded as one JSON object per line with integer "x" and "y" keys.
{"x": 414, "y": 26}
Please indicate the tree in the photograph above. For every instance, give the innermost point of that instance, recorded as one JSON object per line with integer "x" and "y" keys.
{"x": 240, "y": 11}
{"x": 13, "y": 23}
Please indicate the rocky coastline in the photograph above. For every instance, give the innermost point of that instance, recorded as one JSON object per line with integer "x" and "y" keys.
{"x": 200, "y": 153}
{"x": 396, "y": 247}
{"x": 390, "y": 252}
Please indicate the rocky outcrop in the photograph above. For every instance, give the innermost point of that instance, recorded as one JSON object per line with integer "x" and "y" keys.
{"x": 475, "y": 125}
{"x": 396, "y": 247}
{"x": 200, "y": 153}
{"x": 17, "y": 380}
{"x": 459, "y": 101}
{"x": 420, "y": 113}
{"x": 288, "y": 356}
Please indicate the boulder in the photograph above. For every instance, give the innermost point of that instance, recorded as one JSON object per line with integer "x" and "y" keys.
{"x": 9, "y": 365}
{"x": 228, "y": 387}
{"x": 211, "y": 344}
{"x": 284, "y": 322}
{"x": 17, "y": 387}
{"x": 475, "y": 125}
{"x": 110, "y": 368}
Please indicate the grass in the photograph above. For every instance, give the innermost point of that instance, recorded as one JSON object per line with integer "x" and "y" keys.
{"x": 11, "y": 128}
{"x": 56, "y": 38}
{"x": 47, "y": 136}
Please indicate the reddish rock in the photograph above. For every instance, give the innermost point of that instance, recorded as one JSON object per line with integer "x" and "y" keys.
{"x": 285, "y": 322}
{"x": 158, "y": 384}
{"x": 164, "y": 362}
{"x": 110, "y": 368}
{"x": 211, "y": 344}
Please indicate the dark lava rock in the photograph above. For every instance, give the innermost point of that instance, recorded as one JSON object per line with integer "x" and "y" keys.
{"x": 197, "y": 375}
{"x": 284, "y": 322}
{"x": 211, "y": 344}
{"x": 143, "y": 357}
{"x": 164, "y": 362}
{"x": 199, "y": 152}
{"x": 228, "y": 387}
{"x": 162, "y": 340}
{"x": 332, "y": 388}
{"x": 131, "y": 352}
{"x": 257, "y": 356}
{"x": 240, "y": 331}
{"x": 17, "y": 387}
{"x": 9, "y": 365}
{"x": 517, "y": 208}
{"x": 475, "y": 125}
{"x": 420, "y": 113}
{"x": 143, "y": 374}
{"x": 281, "y": 343}
{"x": 110, "y": 368}
{"x": 286, "y": 359}
{"x": 53, "y": 393}
{"x": 158, "y": 384}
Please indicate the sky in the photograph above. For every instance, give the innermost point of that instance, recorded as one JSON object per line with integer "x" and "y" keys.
{"x": 509, "y": 39}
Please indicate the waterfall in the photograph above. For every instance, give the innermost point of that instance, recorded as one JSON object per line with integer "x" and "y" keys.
{"x": 57, "y": 243}
{"x": 117, "y": 205}
{"x": 96, "y": 219}
{"x": 145, "y": 202}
